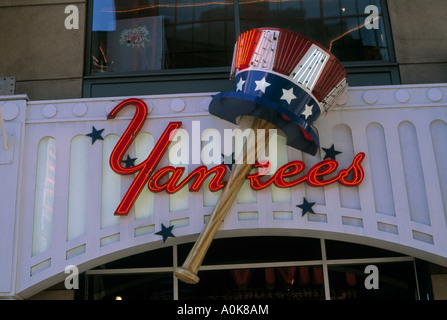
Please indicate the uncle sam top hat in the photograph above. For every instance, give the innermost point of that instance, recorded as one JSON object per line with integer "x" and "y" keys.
{"x": 283, "y": 78}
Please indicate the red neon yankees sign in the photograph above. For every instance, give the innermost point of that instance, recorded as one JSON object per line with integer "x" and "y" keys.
{"x": 146, "y": 167}
{"x": 146, "y": 174}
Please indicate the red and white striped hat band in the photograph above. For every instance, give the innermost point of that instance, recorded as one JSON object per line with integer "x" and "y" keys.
{"x": 284, "y": 78}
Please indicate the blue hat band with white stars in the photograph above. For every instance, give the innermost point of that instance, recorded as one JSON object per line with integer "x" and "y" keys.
{"x": 288, "y": 98}
{"x": 273, "y": 98}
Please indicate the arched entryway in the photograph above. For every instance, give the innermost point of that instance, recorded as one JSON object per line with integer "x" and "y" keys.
{"x": 266, "y": 268}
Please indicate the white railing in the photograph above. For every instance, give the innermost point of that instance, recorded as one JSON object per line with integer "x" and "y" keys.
{"x": 59, "y": 193}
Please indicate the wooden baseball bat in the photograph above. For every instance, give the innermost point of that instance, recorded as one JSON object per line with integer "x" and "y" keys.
{"x": 188, "y": 272}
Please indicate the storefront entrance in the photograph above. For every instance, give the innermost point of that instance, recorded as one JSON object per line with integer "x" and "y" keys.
{"x": 263, "y": 268}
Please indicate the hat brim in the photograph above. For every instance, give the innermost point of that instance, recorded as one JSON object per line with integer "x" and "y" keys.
{"x": 231, "y": 105}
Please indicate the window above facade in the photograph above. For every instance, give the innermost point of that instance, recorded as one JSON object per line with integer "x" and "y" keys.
{"x": 151, "y": 35}
{"x": 344, "y": 27}
{"x": 148, "y": 38}
{"x": 129, "y": 36}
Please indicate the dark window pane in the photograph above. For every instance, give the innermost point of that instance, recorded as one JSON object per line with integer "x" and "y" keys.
{"x": 396, "y": 281}
{"x": 287, "y": 283}
{"x": 156, "y": 286}
{"x": 145, "y": 35}
{"x": 257, "y": 249}
{"x": 337, "y": 25}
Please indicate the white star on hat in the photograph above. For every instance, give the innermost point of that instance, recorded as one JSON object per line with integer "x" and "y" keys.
{"x": 240, "y": 84}
{"x": 288, "y": 95}
{"x": 307, "y": 112}
{"x": 261, "y": 85}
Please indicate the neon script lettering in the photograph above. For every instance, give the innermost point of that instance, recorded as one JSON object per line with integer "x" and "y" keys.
{"x": 156, "y": 180}
{"x": 146, "y": 167}
{"x": 350, "y": 177}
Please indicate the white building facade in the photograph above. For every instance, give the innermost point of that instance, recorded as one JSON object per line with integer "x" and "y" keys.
{"x": 59, "y": 194}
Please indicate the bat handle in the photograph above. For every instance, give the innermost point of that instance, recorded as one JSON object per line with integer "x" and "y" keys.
{"x": 188, "y": 272}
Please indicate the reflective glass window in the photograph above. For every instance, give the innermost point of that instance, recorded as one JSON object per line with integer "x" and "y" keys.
{"x": 138, "y": 35}
{"x": 353, "y": 30}
{"x": 149, "y": 35}
{"x": 379, "y": 281}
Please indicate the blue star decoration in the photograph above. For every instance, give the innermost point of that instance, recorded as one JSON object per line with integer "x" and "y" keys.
{"x": 306, "y": 206}
{"x": 129, "y": 162}
{"x": 165, "y": 232}
{"x": 95, "y": 135}
{"x": 330, "y": 152}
